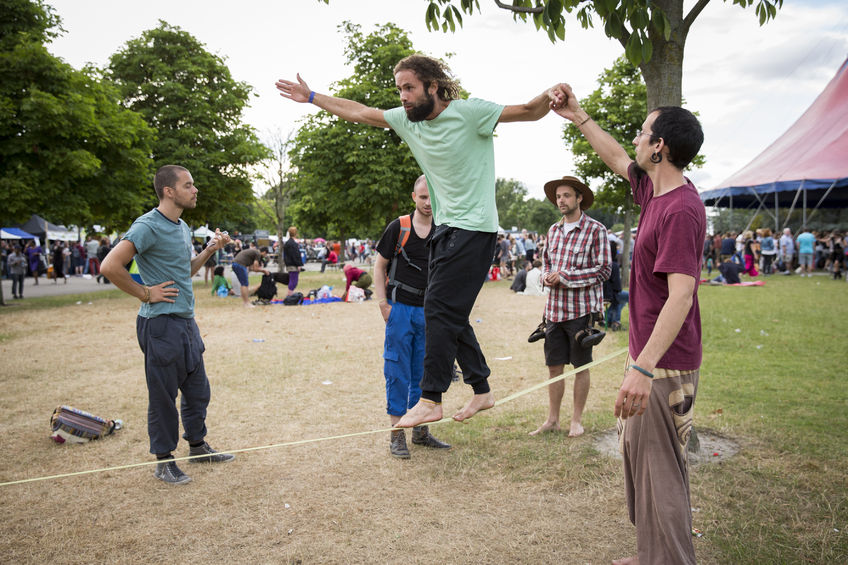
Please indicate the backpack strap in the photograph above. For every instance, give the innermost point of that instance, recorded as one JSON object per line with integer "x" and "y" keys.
{"x": 403, "y": 237}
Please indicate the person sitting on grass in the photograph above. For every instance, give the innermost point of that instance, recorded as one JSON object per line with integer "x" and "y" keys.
{"x": 730, "y": 271}
{"x": 220, "y": 281}
{"x": 520, "y": 281}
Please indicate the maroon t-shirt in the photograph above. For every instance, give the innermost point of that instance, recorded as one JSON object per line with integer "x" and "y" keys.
{"x": 670, "y": 239}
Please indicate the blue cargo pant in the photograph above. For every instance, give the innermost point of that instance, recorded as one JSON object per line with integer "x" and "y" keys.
{"x": 403, "y": 357}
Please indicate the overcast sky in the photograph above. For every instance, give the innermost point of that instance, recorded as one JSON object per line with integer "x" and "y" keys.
{"x": 748, "y": 83}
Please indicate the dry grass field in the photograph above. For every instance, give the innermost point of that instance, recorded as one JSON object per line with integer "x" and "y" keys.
{"x": 499, "y": 496}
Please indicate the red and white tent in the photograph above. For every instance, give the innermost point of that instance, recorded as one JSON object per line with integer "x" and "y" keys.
{"x": 809, "y": 162}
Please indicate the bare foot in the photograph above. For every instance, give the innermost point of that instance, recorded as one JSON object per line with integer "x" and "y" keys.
{"x": 421, "y": 413}
{"x": 626, "y": 561}
{"x": 477, "y": 403}
{"x": 576, "y": 430}
{"x": 546, "y": 427}
{"x": 249, "y": 305}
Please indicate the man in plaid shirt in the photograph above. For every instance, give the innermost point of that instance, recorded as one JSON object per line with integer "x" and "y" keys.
{"x": 577, "y": 262}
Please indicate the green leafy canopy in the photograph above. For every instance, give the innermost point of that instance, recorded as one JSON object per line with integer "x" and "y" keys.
{"x": 352, "y": 179}
{"x": 189, "y": 96}
{"x": 68, "y": 150}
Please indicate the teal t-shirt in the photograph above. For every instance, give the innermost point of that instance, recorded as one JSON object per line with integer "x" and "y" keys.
{"x": 806, "y": 241}
{"x": 456, "y": 152}
{"x": 163, "y": 254}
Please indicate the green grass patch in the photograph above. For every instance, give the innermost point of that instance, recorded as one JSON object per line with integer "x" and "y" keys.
{"x": 773, "y": 377}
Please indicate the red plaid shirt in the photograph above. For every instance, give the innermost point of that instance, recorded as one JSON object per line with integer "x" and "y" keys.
{"x": 582, "y": 259}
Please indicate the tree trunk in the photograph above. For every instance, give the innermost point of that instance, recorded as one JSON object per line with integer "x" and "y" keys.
{"x": 280, "y": 263}
{"x": 663, "y": 74}
{"x": 627, "y": 241}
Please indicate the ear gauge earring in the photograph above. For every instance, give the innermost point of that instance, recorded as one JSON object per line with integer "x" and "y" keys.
{"x": 656, "y": 158}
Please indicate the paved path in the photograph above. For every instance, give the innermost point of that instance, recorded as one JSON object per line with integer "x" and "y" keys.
{"x": 45, "y": 287}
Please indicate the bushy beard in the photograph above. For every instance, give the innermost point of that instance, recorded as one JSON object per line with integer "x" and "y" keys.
{"x": 419, "y": 112}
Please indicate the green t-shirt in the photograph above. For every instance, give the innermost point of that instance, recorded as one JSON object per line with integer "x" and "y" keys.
{"x": 163, "y": 254}
{"x": 456, "y": 152}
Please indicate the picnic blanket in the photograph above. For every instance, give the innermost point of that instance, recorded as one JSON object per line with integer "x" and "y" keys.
{"x": 746, "y": 283}
{"x": 307, "y": 301}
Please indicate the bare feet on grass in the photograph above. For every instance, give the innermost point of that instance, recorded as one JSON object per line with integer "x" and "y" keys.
{"x": 576, "y": 430}
{"x": 546, "y": 427}
{"x": 421, "y": 413}
{"x": 626, "y": 561}
{"x": 477, "y": 403}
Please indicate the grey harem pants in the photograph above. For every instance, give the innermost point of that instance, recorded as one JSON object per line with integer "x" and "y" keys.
{"x": 173, "y": 361}
{"x": 656, "y": 470}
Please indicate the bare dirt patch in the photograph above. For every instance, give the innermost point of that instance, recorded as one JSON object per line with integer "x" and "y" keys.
{"x": 499, "y": 496}
{"x": 713, "y": 447}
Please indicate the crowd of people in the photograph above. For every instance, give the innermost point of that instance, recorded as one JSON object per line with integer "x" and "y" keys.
{"x": 763, "y": 252}
{"x": 20, "y": 259}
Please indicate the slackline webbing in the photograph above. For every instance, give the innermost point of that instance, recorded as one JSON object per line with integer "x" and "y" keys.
{"x": 498, "y": 403}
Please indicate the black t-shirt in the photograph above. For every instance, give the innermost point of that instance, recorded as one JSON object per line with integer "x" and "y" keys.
{"x": 416, "y": 250}
{"x": 730, "y": 271}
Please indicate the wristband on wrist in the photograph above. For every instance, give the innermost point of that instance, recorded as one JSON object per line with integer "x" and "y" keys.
{"x": 311, "y": 96}
{"x": 382, "y": 300}
{"x": 643, "y": 371}
{"x": 146, "y": 294}
{"x": 584, "y": 121}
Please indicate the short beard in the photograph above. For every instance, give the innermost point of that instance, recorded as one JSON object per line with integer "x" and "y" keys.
{"x": 420, "y": 112}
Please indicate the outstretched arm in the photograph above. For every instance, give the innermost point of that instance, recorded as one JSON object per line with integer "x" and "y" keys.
{"x": 607, "y": 148}
{"x": 530, "y": 112}
{"x": 342, "y": 107}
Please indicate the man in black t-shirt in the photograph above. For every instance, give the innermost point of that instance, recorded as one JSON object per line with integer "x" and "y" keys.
{"x": 729, "y": 273}
{"x": 400, "y": 279}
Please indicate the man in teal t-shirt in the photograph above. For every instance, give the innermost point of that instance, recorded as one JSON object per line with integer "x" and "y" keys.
{"x": 806, "y": 244}
{"x": 451, "y": 139}
{"x": 160, "y": 242}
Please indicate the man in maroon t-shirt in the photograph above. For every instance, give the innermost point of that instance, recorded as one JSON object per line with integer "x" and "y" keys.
{"x": 656, "y": 399}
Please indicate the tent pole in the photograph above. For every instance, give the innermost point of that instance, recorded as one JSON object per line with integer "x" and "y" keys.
{"x": 794, "y": 201}
{"x": 776, "y": 210}
{"x": 804, "y": 213}
{"x": 822, "y": 199}
{"x": 732, "y": 219}
{"x": 757, "y": 211}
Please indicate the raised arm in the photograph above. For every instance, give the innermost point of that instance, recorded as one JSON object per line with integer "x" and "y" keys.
{"x": 530, "y": 112}
{"x": 217, "y": 242}
{"x": 342, "y": 107}
{"x": 607, "y": 148}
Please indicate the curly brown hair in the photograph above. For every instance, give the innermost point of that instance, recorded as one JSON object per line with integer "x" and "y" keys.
{"x": 429, "y": 70}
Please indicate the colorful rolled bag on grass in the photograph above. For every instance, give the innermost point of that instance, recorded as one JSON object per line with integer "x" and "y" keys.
{"x": 72, "y": 425}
